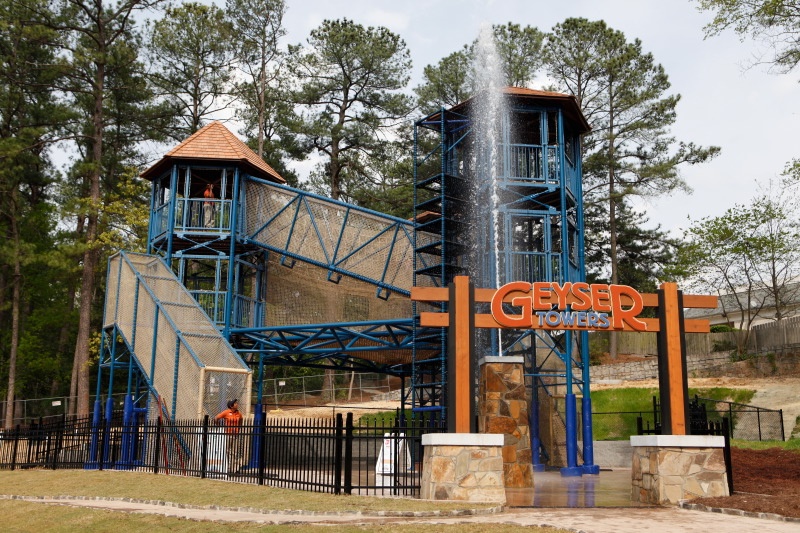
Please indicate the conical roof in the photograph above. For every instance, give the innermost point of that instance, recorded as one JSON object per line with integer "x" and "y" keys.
{"x": 215, "y": 143}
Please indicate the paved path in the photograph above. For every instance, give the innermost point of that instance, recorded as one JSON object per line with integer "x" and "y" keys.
{"x": 597, "y": 520}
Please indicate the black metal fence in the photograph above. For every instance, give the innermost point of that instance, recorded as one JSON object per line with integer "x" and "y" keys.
{"x": 746, "y": 422}
{"x": 380, "y": 455}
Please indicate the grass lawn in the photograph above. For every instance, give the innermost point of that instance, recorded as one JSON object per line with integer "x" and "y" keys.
{"x": 633, "y": 400}
{"x": 24, "y": 516}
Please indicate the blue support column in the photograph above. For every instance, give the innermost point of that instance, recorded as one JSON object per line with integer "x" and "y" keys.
{"x": 93, "y": 463}
{"x": 586, "y": 411}
{"x": 588, "y": 446}
{"x": 536, "y": 439}
{"x": 258, "y": 416}
{"x": 107, "y": 433}
{"x": 234, "y": 222}
{"x": 128, "y": 434}
{"x": 571, "y": 406}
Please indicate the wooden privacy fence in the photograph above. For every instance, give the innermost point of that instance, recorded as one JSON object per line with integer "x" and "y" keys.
{"x": 775, "y": 337}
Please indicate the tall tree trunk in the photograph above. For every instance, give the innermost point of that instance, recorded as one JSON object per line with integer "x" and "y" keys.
{"x": 15, "y": 312}
{"x": 328, "y": 389}
{"x": 612, "y": 215}
{"x": 91, "y": 255}
{"x": 262, "y": 98}
{"x": 72, "y": 403}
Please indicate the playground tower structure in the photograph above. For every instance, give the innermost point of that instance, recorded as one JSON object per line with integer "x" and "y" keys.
{"x": 256, "y": 273}
{"x": 523, "y": 223}
{"x": 249, "y": 274}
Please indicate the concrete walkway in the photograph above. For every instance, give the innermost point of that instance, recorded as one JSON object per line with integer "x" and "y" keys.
{"x": 593, "y": 520}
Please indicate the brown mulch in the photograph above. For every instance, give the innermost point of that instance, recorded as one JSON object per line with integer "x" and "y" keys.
{"x": 764, "y": 481}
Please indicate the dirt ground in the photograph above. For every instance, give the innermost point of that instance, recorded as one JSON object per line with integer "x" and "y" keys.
{"x": 764, "y": 481}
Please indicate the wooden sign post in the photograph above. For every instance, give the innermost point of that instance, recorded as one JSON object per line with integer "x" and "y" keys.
{"x": 569, "y": 306}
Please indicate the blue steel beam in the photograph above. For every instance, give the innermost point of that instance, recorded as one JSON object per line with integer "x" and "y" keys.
{"x": 312, "y": 343}
{"x": 390, "y": 257}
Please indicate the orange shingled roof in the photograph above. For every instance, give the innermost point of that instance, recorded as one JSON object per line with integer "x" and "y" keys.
{"x": 215, "y": 142}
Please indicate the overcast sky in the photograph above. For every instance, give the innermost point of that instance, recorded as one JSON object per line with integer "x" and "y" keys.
{"x": 748, "y": 112}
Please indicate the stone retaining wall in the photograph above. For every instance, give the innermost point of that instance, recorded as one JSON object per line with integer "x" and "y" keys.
{"x": 648, "y": 368}
{"x": 711, "y": 365}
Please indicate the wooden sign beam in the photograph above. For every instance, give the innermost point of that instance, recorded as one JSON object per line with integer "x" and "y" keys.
{"x": 539, "y": 303}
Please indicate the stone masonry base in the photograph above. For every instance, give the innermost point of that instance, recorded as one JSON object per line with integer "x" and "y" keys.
{"x": 463, "y": 467}
{"x": 503, "y": 409}
{"x": 670, "y": 468}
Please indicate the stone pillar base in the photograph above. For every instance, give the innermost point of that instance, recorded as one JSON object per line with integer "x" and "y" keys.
{"x": 463, "y": 467}
{"x": 503, "y": 409}
{"x": 670, "y": 468}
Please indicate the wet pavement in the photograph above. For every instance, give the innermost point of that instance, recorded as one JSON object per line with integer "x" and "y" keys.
{"x": 611, "y": 488}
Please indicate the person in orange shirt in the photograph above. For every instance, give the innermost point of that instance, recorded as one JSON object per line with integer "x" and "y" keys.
{"x": 231, "y": 418}
{"x": 208, "y": 206}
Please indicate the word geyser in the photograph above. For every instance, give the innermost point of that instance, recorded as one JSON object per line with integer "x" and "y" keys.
{"x": 549, "y": 305}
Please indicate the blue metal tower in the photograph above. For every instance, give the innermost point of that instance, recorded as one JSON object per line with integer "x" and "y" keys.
{"x": 523, "y": 223}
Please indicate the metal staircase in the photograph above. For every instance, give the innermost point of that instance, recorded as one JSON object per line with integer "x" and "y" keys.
{"x": 188, "y": 367}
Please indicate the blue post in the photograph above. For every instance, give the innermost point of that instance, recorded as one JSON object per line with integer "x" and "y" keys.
{"x": 258, "y": 416}
{"x": 571, "y": 407}
{"x": 536, "y": 440}
{"x": 107, "y": 439}
{"x": 126, "y": 455}
{"x": 586, "y": 414}
{"x": 255, "y": 449}
{"x": 588, "y": 446}
{"x": 93, "y": 446}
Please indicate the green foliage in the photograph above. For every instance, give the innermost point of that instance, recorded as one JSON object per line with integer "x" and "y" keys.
{"x": 383, "y": 418}
{"x": 791, "y": 444}
{"x": 191, "y": 48}
{"x": 774, "y": 22}
{"x": 624, "y": 95}
{"x": 750, "y": 255}
{"x": 722, "y": 328}
{"x": 446, "y": 83}
{"x": 450, "y": 82}
{"x": 598, "y": 345}
{"x": 264, "y": 101}
{"x": 645, "y": 255}
{"x": 350, "y": 80}
{"x": 724, "y": 393}
{"x": 623, "y": 399}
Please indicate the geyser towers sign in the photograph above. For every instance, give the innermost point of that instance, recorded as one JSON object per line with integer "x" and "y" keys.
{"x": 568, "y": 306}
{"x": 565, "y": 306}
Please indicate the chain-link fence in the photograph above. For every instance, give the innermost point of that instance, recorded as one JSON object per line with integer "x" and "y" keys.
{"x": 192, "y": 367}
{"x": 279, "y": 392}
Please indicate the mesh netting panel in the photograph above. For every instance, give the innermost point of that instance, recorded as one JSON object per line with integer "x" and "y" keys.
{"x": 145, "y": 333}
{"x": 361, "y": 243}
{"x": 219, "y": 387}
{"x": 164, "y": 369}
{"x": 111, "y": 296}
{"x": 177, "y": 369}
{"x": 213, "y": 351}
{"x": 303, "y": 295}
